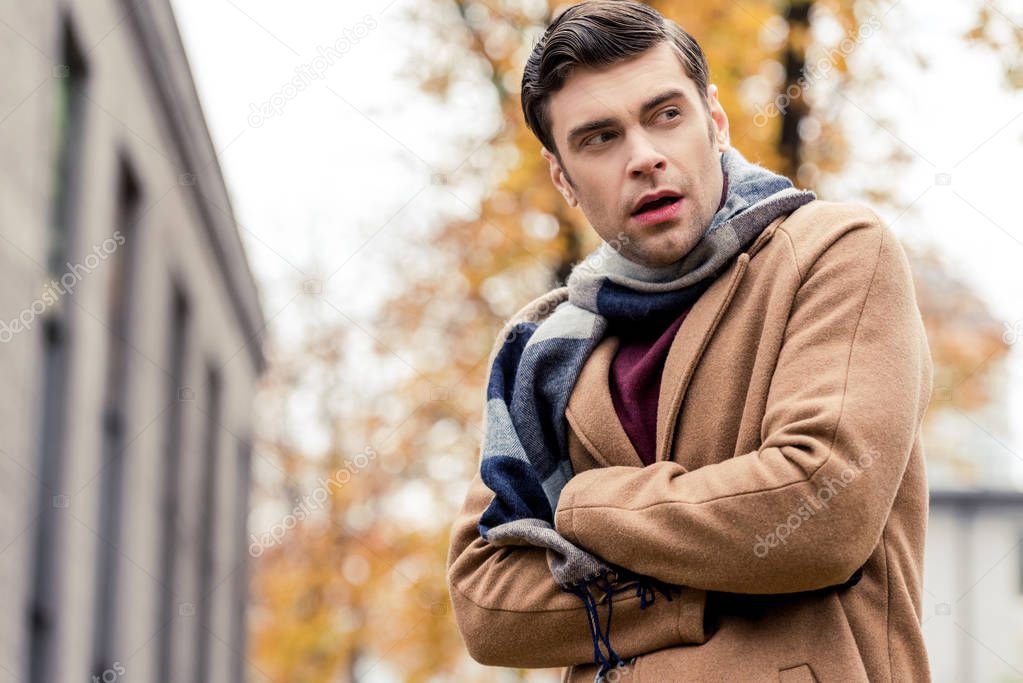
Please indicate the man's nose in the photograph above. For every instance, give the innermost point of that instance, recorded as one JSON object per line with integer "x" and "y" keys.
{"x": 645, "y": 158}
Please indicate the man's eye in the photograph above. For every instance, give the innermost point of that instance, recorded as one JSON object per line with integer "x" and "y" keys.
{"x": 596, "y": 138}
{"x": 672, "y": 111}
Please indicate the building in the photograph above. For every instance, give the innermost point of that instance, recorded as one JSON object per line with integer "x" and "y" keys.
{"x": 130, "y": 345}
{"x": 973, "y": 586}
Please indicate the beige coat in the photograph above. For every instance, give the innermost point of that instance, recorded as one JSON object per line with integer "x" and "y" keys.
{"x": 788, "y": 456}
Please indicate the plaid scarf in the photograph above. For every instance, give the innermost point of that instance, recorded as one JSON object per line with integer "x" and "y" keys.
{"x": 524, "y": 453}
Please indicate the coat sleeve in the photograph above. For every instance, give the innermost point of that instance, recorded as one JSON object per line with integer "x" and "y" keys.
{"x": 512, "y": 613}
{"x": 806, "y": 509}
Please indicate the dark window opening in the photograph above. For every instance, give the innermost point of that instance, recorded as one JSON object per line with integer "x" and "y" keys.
{"x": 208, "y": 516}
{"x": 177, "y": 392}
{"x": 71, "y": 79}
{"x": 241, "y": 576}
{"x": 115, "y": 402}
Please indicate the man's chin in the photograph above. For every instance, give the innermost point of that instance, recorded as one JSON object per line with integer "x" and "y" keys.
{"x": 657, "y": 259}
{"x": 657, "y": 254}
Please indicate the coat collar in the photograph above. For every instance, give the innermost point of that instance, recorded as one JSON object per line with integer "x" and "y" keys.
{"x": 590, "y": 410}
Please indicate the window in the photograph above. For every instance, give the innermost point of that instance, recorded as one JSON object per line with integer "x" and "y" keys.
{"x": 207, "y": 513}
{"x": 177, "y": 393}
{"x": 120, "y": 302}
{"x": 241, "y": 575}
{"x": 72, "y": 78}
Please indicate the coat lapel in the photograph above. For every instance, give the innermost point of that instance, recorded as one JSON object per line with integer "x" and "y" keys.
{"x": 591, "y": 412}
{"x": 691, "y": 340}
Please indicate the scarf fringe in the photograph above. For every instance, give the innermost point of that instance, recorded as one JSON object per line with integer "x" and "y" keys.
{"x": 646, "y": 588}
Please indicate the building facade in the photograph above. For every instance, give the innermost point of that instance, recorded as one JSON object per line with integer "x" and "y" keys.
{"x": 973, "y": 586}
{"x": 130, "y": 347}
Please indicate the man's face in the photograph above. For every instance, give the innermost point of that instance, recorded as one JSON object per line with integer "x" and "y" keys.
{"x": 640, "y": 144}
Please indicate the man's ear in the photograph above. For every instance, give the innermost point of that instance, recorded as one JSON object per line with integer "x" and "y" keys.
{"x": 719, "y": 117}
{"x": 559, "y": 177}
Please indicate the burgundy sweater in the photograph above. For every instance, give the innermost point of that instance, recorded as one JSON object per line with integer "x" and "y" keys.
{"x": 635, "y": 376}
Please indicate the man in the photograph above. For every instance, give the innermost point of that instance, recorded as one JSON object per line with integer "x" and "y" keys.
{"x": 726, "y": 400}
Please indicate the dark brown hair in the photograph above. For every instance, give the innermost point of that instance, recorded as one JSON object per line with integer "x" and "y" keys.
{"x": 595, "y": 34}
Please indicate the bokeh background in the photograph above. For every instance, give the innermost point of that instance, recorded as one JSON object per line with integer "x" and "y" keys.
{"x": 254, "y": 255}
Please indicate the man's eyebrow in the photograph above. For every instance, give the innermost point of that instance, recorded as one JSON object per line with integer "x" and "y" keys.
{"x": 597, "y": 124}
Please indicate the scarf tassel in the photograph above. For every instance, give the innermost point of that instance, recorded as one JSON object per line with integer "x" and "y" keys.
{"x": 646, "y": 590}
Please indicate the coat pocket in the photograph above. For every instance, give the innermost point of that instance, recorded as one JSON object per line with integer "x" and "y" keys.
{"x": 797, "y": 674}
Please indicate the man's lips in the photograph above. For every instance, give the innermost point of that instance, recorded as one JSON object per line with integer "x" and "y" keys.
{"x": 658, "y": 196}
{"x": 663, "y": 210}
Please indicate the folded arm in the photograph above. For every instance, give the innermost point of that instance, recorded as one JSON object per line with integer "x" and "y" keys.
{"x": 807, "y": 508}
{"x": 512, "y": 613}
